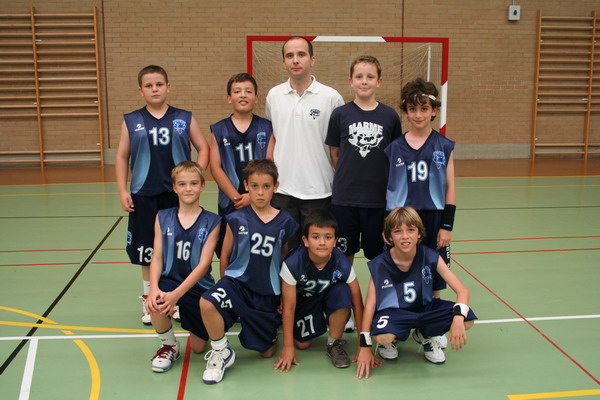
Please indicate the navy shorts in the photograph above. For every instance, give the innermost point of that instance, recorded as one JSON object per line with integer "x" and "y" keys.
{"x": 189, "y": 308}
{"x": 258, "y": 313}
{"x": 140, "y": 229}
{"x": 312, "y": 313}
{"x": 359, "y": 227}
{"x": 432, "y": 221}
{"x": 299, "y": 209}
{"x": 434, "y": 319}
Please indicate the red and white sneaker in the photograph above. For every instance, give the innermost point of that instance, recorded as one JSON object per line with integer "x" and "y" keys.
{"x": 164, "y": 357}
{"x": 146, "y": 320}
{"x": 175, "y": 314}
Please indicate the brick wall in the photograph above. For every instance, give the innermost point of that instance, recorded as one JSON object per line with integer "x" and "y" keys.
{"x": 202, "y": 43}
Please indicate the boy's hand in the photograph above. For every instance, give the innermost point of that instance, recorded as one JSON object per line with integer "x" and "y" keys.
{"x": 241, "y": 201}
{"x": 443, "y": 238}
{"x": 458, "y": 334}
{"x": 170, "y": 300}
{"x": 366, "y": 361}
{"x": 126, "y": 202}
{"x": 154, "y": 301}
{"x": 286, "y": 359}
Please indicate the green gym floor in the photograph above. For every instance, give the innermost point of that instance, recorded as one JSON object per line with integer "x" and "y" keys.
{"x": 526, "y": 243}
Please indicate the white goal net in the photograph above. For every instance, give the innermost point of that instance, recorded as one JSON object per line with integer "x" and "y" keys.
{"x": 402, "y": 60}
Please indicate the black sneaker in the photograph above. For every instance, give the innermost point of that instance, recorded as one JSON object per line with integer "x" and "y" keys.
{"x": 338, "y": 355}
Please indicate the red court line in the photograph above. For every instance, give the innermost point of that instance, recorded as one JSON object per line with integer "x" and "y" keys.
{"x": 533, "y": 238}
{"x": 521, "y": 251}
{"x": 184, "y": 370}
{"x": 528, "y": 322}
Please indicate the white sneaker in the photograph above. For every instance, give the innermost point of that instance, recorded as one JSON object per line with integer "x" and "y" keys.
{"x": 349, "y": 327}
{"x": 433, "y": 351}
{"x": 164, "y": 358}
{"x": 175, "y": 314}
{"x": 442, "y": 340}
{"x": 216, "y": 365}
{"x": 389, "y": 352}
{"x": 146, "y": 319}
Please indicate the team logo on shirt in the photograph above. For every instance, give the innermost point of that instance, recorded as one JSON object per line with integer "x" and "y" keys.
{"x": 439, "y": 158}
{"x": 202, "y": 234}
{"x": 387, "y": 284}
{"x": 337, "y": 275}
{"x": 314, "y": 113}
{"x": 261, "y": 139}
{"x": 399, "y": 162}
{"x": 242, "y": 230}
{"x": 226, "y": 142}
{"x": 426, "y": 274}
{"x": 365, "y": 136}
{"x": 179, "y": 126}
{"x": 139, "y": 127}
{"x": 169, "y": 233}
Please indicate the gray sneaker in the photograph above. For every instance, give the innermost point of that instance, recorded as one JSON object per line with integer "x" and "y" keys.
{"x": 389, "y": 352}
{"x": 338, "y": 355}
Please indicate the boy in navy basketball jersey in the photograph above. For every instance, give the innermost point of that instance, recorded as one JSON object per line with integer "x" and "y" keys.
{"x": 235, "y": 141}
{"x": 421, "y": 173}
{"x": 400, "y": 295}
{"x": 154, "y": 138}
{"x": 319, "y": 286}
{"x": 250, "y": 288}
{"x": 184, "y": 242}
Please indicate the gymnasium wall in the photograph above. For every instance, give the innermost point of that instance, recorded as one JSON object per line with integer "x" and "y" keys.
{"x": 202, "y": 43}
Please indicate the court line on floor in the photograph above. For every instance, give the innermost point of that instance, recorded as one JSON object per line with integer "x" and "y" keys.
{"x": 526, "y": 320}
{"x": 20, "y": 346}
{"x": 149, "y": 333}
{"x": 523, "y": 251}
{"x": 553, "y": 395}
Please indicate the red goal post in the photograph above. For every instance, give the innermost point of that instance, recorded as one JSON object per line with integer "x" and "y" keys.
{"x": 403, "y": 59}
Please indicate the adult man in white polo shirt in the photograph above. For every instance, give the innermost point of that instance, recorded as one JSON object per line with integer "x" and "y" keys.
{"x": 299, "y": 110}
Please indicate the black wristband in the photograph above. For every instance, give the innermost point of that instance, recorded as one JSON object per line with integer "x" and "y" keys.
{"x": 365, "y": 340}
{"x": 448, "y": 217}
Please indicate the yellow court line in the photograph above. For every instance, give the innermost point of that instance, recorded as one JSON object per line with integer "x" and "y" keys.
{"x": 82, "y": 328}
{"x": 94, "y": 369}
{"x": 553, "y": 395}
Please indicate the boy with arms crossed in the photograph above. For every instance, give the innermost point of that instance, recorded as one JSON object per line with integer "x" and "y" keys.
{"x": 235, "y": 141}
{"x": 184, "y": 242}
{"x": 154, "y": 138}
{"x": 400, "y": 295}
{"x": 250, "y": 287}
{"x": 318, "y": 288}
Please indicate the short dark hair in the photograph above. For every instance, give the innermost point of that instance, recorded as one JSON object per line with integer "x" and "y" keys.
{"x": 310, "y": 46}
{"x": 366, "y": 59}
{"x": 419, "y": 92}
{"x": 262, "y": 166}
{"x": 242, "y": 77}
{"x": 321, "y": 219}
{"x": 152, "y": 69}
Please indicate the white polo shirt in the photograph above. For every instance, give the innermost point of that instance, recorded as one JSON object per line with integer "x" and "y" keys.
{"x": 300, "y": 127}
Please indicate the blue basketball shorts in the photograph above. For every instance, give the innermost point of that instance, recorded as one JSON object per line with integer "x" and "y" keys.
{"x": 189, "y": 308}
{"x": 434, "y": 319}
{"x": 312, "y": 313}
{"x": 258, "y": 313}
{"x": 359, "y": 227}
{"x": 140, "y": 228}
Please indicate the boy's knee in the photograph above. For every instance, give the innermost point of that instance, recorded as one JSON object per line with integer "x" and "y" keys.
{"x": 198, "y": 345}
{"x": 269, "y": 353}
{"x": 303, "y": 345}
{"x": 385, "y": 338}
{"x": 206, "y": 306}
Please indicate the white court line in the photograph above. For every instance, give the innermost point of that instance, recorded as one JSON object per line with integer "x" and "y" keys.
{"x": 153, "y": 335}
{"x": 28, "y": 373}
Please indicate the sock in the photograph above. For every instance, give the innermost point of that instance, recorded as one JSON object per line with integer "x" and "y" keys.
{"x": 220, "y": 345}
{"x": 330, "y": 340}
{"x": 168, "y": 337}
{"x": 146, "y": 285}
